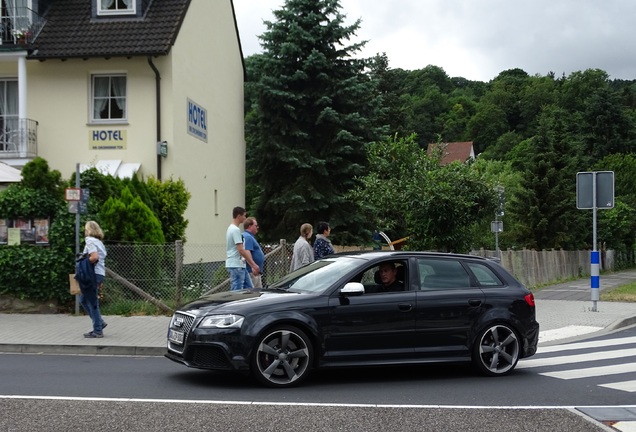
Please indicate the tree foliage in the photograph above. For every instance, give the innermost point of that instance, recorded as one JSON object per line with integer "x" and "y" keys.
{"x": 541, "y": 129}
{"x": 128, "y": 219}
{"x": 119, "y": 205}
{"x": 408, "y": 193}
{"x": 314, "y": 111}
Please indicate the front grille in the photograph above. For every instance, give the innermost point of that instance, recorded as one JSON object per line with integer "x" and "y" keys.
{"x": 186, "y": 326}
{"x": 209, "y": 357}
{"x": 186, "y": 322}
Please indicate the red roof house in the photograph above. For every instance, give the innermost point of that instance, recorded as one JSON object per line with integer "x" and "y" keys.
{"x": 453, "y": 151}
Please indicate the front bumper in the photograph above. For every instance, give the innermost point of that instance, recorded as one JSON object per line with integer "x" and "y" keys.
{"x": 215, "y": 349}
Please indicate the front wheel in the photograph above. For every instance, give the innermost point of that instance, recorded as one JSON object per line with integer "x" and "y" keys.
{"x": 282, "y": 357}
{"x": 496, "y": 350}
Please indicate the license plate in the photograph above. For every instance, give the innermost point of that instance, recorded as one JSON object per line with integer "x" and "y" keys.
{"x": 175, "y": 336}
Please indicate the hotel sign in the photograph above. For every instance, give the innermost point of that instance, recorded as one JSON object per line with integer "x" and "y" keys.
{"x": 107, "y": 139}
{"x": 197, "y": 121}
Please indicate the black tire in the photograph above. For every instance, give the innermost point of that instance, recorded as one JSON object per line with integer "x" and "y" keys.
{"x": 282, "y": 357}
{"x": 496, "y": 350}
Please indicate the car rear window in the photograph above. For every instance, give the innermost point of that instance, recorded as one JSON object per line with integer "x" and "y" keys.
{"x": 441, "y": 274}
{"x": 485, "y": 275}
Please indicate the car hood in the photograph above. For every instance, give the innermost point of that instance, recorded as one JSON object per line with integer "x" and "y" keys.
{"x": 238, "y": 301}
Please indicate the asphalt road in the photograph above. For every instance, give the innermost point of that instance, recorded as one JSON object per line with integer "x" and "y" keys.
{"x": 42, "y": 392}
{"x": 22, "y": 415}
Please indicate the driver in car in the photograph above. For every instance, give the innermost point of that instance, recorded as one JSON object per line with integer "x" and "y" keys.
{"x": 388, "y": 276}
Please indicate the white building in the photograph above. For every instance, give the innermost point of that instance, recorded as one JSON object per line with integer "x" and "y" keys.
{"x": 103, "y": 82}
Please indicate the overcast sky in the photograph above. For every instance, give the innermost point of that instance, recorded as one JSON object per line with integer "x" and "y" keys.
{"x": 478, "y": 39}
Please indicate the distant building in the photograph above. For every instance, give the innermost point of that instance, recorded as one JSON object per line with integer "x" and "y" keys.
{"x": 453, "y": 151}
{"x": 129, "y": 86}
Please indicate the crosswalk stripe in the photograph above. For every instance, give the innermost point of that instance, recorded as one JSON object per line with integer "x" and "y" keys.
{"x": 628, "y": 386}
{"x": 583, "y": 345}
{"x": 566, "y": 332}
{"x": 577, "y": 358}
{"x": 592, "y": 372}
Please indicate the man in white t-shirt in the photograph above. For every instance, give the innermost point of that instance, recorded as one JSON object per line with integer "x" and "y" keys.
{"x": 236, "y": 255}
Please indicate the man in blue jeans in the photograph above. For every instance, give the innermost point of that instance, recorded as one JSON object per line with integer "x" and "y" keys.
{"x": 251, "y": 245}
{"x": 236, "y": 255}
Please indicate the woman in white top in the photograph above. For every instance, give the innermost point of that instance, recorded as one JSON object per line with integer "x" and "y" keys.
{"x": 96, "y": 252}
{"x": 303, "y": 252}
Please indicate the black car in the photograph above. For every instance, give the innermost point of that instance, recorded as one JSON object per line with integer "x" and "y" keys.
{"x": 336, "y": 312}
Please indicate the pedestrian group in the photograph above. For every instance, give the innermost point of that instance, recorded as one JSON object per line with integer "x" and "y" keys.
{"x": 245, "y": 257}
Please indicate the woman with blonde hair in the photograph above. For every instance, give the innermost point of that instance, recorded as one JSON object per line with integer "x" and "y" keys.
{"x": 95, "y": 250}
{"x": 303, "y": 252}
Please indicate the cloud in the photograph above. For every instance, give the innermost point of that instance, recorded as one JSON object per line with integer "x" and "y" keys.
{"x": 479, "y": 39}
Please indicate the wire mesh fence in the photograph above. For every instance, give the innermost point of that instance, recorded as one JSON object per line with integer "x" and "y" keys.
{"x": 157, "y": 279}
{"x": 144, "y": 278}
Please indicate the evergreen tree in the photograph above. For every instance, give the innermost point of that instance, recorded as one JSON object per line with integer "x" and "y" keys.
{"x": 314, "y": 114}
{"x": 546, "y": 201}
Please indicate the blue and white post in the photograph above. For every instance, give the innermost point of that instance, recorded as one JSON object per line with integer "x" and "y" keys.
{"x": 595, "y": 278}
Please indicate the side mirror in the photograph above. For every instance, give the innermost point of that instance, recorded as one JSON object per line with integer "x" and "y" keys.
{"x": 352, "y": 289}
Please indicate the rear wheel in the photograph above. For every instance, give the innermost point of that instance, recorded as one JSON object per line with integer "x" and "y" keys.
{"x": 496, "y": 350}
{"x": 282, "y": 357}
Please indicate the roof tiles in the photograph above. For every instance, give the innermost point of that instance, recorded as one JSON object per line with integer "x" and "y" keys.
{"x": 71, "y": 32}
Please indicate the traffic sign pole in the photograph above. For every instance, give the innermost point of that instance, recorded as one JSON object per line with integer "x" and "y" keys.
{"x": 594, "y": 264}
{"x": 594, "y": 190}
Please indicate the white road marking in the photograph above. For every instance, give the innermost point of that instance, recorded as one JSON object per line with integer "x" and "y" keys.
{"x": 592, "y": 372}
{"x": 310, "y": 404}
{"x": 628, "y": 386}
{"x": 566, "y": 332}
{"x": 577, "y": 358}
{"x": 590, "y": 344}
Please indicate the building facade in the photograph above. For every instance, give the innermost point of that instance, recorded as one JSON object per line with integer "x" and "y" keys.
{"x": 152, "y": 87}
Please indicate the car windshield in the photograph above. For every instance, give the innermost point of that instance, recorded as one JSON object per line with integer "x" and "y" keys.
{"x": 318, "y": 276}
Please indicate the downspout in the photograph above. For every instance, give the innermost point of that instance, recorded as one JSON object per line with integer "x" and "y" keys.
{"x": 158, "y": 104}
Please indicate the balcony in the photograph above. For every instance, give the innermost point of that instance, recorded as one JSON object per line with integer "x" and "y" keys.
{"x": 19, "y": 28}
{"x": 19, "y": 139}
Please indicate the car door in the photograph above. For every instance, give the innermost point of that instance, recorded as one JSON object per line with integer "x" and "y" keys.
{"x": 376, "y": 326}
{"x": 448, "y": 304}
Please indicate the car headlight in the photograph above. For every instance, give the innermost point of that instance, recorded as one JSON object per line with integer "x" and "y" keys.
{"x": 222, "y": 321}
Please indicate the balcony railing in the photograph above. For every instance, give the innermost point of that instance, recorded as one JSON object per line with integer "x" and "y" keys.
{"x": 20, "y": 26}
{"x": 19, "y": 138}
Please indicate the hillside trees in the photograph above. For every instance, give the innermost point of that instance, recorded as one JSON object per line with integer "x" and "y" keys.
{"x": 541, "y": 129}
{"x": 314, "y": 110}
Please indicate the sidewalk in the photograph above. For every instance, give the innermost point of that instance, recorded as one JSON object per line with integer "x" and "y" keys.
{"x": 564, "y": 312}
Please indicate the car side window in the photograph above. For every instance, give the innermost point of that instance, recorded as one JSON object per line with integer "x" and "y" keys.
{"x": 373, "y": 282}
{"x": 485, "y": 276}
{"x": 442, "y": 274}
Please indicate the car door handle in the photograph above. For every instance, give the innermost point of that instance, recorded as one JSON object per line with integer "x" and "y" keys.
{"x": 474, "y": 302}
{"x": 405, "y": 307}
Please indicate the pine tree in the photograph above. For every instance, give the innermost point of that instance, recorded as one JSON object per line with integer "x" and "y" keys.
{"x": 313, "y": 117}
{"x": 546, "y": 204}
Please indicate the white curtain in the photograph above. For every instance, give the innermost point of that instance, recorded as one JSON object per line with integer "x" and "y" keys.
{"x": 101, "y": 93}
{"x": 8, "y": 107}
{"x": 106, "y": 4}
{"x": 119, "y": 91}
{"x": 128, "y": 3}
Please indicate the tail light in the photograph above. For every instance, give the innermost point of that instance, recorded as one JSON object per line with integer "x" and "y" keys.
{"x": 529, "y": 298}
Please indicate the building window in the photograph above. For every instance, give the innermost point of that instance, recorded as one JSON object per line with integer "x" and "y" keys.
{"x": 115, "y": 7}
{"x": 9, "y": 124}
{"x": 109, "y": 98}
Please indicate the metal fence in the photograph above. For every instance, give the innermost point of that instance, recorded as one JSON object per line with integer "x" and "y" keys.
{"x": 157, "y": 279}
{"x": 144, "y": 278}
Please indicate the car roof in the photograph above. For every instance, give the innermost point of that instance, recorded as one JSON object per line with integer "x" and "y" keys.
{"x": 403, "y": 254}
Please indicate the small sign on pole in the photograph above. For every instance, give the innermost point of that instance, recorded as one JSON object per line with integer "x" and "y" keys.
{"x": 73, "y": 194}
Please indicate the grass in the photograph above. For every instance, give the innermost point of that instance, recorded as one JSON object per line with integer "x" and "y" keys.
{"x": 624, "y": 293}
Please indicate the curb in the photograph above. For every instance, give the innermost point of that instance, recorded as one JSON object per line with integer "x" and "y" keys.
{"x": 625, "y": 322}
{"x": 82, "y": 349}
